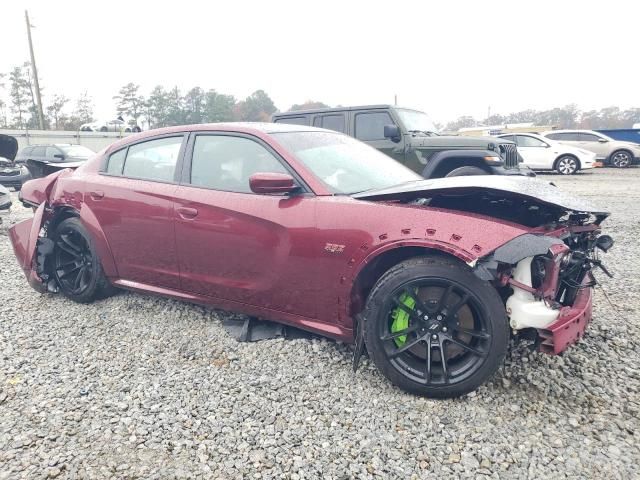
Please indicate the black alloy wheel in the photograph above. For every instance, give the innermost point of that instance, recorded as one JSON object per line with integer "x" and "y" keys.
{"x": 446, "y": 339}
{"x": 434, "y": 328}
{"x": 74, "y": 263}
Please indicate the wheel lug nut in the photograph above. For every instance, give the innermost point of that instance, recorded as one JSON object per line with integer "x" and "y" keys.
{"x": 434, "y": 336}
{"x": 426, "y": 317}
{"x": 444, "y": 329}
{"x": 439, "y": 317}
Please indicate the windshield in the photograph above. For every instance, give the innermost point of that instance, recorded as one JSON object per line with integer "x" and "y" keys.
{"x": 416, "y": 121}
{"x": 344, "y": 164}
{"x": 76, "y": 151}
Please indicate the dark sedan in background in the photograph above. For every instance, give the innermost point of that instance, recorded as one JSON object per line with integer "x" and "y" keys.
{"x": 41, "y": 160}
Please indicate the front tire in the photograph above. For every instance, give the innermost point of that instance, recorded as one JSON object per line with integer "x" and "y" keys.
{"x": 567, "y": 165}
{"x": 465, "y": 171}
{"x": 77, "y": 267}
{"x": 620, "y": 159}
{"x": 435, "y": 329}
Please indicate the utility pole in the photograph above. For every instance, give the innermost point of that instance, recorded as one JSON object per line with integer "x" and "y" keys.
{"x": 35, "y": 73}
{"x": 395, "y": 100}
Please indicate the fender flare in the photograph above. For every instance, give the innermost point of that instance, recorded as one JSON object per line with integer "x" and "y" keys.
{"x": 91, "y": 223}
{"x": 438, "y": 159}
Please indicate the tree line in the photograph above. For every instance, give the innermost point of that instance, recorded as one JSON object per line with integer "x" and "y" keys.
{"x": 163, "y": 107}
{"x": 569, "y": 116}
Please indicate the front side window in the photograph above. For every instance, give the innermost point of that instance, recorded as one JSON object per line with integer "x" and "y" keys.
{"x": 370, "y": 126}
{"x": 344, "y": 164}
{"x": 38, "y": 152}
{"x": 527, "y": 141}
{"x": 589, "y": 137}
{"x": 77, "y": 151}
{"x": 153, "y": 160}
{"x": 225, "y": 163}
{"x": 51, "y": 152}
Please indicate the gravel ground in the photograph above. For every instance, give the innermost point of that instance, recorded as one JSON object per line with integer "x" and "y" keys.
{"x": 142, "y": 387}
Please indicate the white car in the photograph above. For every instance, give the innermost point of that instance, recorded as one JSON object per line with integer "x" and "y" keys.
{"x": 115, "y": 125}
{"x": 540, "y": 153}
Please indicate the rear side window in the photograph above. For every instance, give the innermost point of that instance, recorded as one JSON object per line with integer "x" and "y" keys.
{"x": 293, "y": 120}
{"x": 332, "y": 122}
{"x": 225, "y": 163}
{"x": 589, "y": 137}
{"x": 370, "y": 126}
{"x": 565, "y": 137}
{"x": 116, "y": 162}
{"x": 153, "y": 160}
{"x": 27, "y": 151}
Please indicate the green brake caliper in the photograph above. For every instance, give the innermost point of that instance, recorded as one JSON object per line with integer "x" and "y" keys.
{"x": 401, "y": 318}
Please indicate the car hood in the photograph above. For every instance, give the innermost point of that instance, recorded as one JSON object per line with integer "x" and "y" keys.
{"x": 499, "y": 185}
{"x": 8, "y": 147}
{"x": 458, "y": 141}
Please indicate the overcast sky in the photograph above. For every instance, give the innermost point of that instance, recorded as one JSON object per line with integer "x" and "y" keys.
{"x": 447, "y": 58}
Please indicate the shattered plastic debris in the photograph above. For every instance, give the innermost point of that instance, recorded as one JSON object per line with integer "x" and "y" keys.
{"x": 252, "y": 329}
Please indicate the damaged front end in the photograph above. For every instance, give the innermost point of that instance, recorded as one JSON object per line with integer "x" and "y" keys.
{"x": 546, "y": 281}
{"x": 30, "y": 240}
{"x": 545, "y": 276}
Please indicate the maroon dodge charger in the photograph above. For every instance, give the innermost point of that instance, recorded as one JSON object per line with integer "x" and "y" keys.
{"x": 314, "y": 229}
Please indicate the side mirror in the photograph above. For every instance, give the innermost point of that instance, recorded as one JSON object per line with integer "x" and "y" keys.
{"x": 392, "y": 132}
{"x": 602, "y": 140}
{"x": 272, "y": 183}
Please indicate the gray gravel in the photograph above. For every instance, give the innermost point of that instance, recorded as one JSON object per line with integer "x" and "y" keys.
{"x": 142, "y": 387}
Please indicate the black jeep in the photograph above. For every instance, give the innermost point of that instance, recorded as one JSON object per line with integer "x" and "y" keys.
{"x": 410, "y": 137}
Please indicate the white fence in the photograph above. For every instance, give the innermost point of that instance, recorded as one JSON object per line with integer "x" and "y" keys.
{"x": 95, "y": 141}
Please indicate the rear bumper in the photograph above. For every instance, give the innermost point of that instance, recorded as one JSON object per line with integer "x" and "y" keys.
{"x": 570, "y": 325}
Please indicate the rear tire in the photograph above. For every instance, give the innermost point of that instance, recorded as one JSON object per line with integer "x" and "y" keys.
{"x": 620, "y": 159}
{"x": 103, "y": 129}
{"x": 443, "y": 307}
{"x": 77, "y": 267}
{"x": 567, "y": 165}
{"x": 465, "y": 171}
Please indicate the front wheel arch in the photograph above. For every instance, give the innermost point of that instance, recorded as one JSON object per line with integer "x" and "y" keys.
{"x": 376, "y": 267}
{"x": 450, "y": 164}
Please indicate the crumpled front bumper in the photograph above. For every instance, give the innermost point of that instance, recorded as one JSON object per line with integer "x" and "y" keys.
{"x": 570, "y": 325}
{"x": 24, "y": 238}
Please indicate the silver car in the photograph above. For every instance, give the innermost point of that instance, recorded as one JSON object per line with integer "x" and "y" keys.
{"x": 115, "y": 125}
{"x": 608, "y": 150}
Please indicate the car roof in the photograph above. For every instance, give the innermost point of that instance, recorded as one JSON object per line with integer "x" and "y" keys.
{"x": 568, "y": 130}
{"x": 251, "y": 128}
{"x": 294, "y": 113}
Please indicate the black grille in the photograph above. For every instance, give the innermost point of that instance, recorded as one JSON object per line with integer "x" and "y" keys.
{"x": 10, "y": 172}
{"x": 509, "y": 154}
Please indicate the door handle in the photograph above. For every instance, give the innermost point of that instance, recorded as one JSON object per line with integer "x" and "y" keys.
{"x": 187, "y": 213}
{"x": 97, "y": 195}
